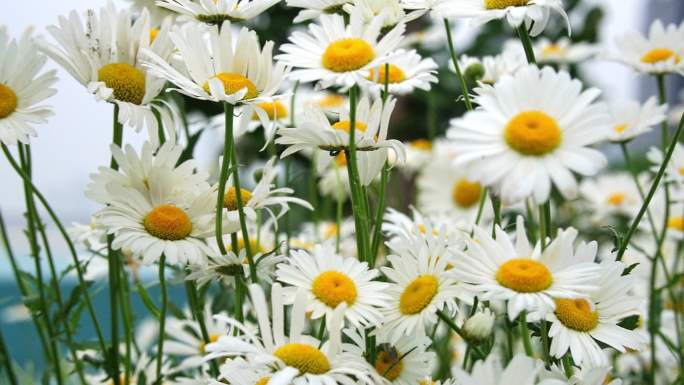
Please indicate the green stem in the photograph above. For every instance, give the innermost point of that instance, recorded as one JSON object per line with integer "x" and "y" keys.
{"x": 544, "y": 224}
{"x": 7, "y": 362}
{"x": 286, "y": 219}
{"x": 544, "y": 331}
{"x": 198, "y": 314}
{"x": 223, "y": 176}
{"x": 496, "y": 205}
{"x": 525, "y": 334}
{"x": 447, "y": 320}
{"x": 459, "y": 74}
{"x": 567, "y": 365}
{"x": 526, "y": 41}
{"x": 635, "y": 176}
{"x": 380, "y": 210}
{"x": 313, "y": 193}
{"x": 162, "y": 317}
{"x": 662, "y": 97}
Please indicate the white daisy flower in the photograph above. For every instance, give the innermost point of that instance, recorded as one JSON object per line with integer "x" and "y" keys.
{"x": 394, "y": 11}
{"x": 398, "y": 224}
{"x": 489, "y": 69}
{"x": 135, "y": 171}
{"x": 22, "y": 89}
{"x": 104, "y": 52}
{"x": 418, "y": 154}
{"x": 600, "y": 375}
{"x": 528, "y": 278}
{"x": 660, "y": 207}
{"x": 335, "y": 53}
{"x": 420, "y": 283}
{"x": 674, "y": 171}
{"x": 406, "y": 362}
{"x": 214, "y": 67}
{"x": 329, "y": 280}
{"x": 407, "y": 71}
{"x": 631, "y": 118}
{"x": 534, "y": 14}
{"x": 611, "y": 194}
{"x": 297, "y": 359}
{"x": 174, "y": 223}
{"x": 311, "y": 9}
{"x": 334, "y": 178}
{"x": 577, "y": 324}
{"x": 332, "y": 103}
{"x": 157, "y": 13}
{"x": 215, "y": 12}
{"x": 326, "y": 233}
{"x": 563, "y": 51}
{"x": 530, "y": 131}
{"x": 522, "y": 370}
{"x": 240, "y": 372}
{"x": 659, "y": 53}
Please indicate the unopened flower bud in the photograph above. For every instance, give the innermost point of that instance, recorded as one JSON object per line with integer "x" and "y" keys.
{"x": 479, "y": 327}
{"x": 474, "y": 72}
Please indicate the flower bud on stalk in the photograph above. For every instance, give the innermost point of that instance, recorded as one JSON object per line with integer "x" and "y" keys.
{"x": 479, "y": 327}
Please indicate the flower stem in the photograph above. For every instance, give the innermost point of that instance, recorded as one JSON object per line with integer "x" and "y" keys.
{"x": 223, "y": 177}
{"x": 454, "y": 60}
{"x": 635, "y": 176}
{"x": 526, "y": 41}
{"x": 7, "y": 362}
{"x": 447, "y": 320}
{"x": 162, "y": 317}
{"x": 525, "y": 334}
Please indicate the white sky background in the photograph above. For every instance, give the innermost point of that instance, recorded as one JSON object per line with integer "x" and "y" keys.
{"x": 76, "y": 140}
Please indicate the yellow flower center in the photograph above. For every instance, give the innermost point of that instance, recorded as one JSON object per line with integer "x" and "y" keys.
{"x": 332, "y": 288}
{"x": 533, "y": 133}
{"x": 153, "y": 34}
{"x": 426, "y": 382}
{"x": 275, "y": 110}
{"x": 620, "y": 128}
{"x": 421, "y": 144}
{"x": 168, "y": 222}
{"x": 233, "y": 83}
{"x": 466, "y": 193}
{"x": 676, "y": 223}
{"x": 418, "y": 294}
{"x": 341, "y": 160}
{"x": 253, "y": 246}
{"x": 681, "y": 171}
{"x": 576, "y": 314}
{"x": 331, "y": 229}
{"x": 230, "y": 198}
{"x": 348, "y": 54}
{"x": 395, "y": 75}
{"x": 658, "y": 55}
{"x": 126, "y": 81}
{"x": 345, "y": 125}
{"x": 524, "y": 276}
{"x": 616, "y": 199}
{"x": 305, "y": 358}
{"x": 203, "y": 345}
{"x": 263, "y": 380}
{"x": 331, "y": 101}
{"x": 8, "y": 101}
{"x": 552, "y": 49}
{"x": 503, "y": 4}
{"x": 388, "y": 364}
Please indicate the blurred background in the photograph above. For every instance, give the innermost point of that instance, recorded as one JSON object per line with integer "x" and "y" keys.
{"x": 76, "y": 140}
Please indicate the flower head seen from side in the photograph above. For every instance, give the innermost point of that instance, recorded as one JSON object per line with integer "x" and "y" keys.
{"x": 528, "y": 278}
{"x": 521, "y": 370}
{"x": 674, "y": 171}
{"x": 104, "y": 52}
{"x": 311, "y": 9}
{"x": 631, "y": 118}
{"x": 658, "y": 53}
{"x": 611, "y": 194}
{"x": 335, "y": 53}
{"x": 297, "y": 358}
{"x": 599, "y": 375}
{"x": 215, "y": 12}
{"x": 579, "y": 324}
{"x": 563, "y": 51}
{"x": 420, "y": 282}
{"x": 531, "y": 130}
{"x": 394, "y": 11}
{"x": 534, "y": 14}
{"x": 329, "y": 280}
{"x": 407, "y": 71}
{"x": 22, "y": 88}
{"x": 489, "y": 69}
{"x": 214, "y": 66}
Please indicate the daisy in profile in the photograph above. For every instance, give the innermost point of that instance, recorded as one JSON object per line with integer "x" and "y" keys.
{"x": 658, "y": 53}
{"x": 522, "y": 370}
{"x": 311, "y": 9}
{"x": 489, "y": 69}
{"x": 215, "y": 12}
{"x": 578, "y": 325}
{"x": 213, "y": 66}
{"x": 674, "y": 171}
{"x": 527, "y": 135}
{"x": 297, "y": 359}
{"x": 331, "y": 103}
{"x": 407, "y": 71}
{"x": 527, "y": 277}
{"x": 157, "y": 13}
{"x": 335, "y": 53}
{"x": 329, "y": 280}
{"x": 631, "y": 118}
{"x": 394, "y": 11}
{"x": 420, "y": 282}
{"x": 104, "y": 52}
{"x": 600, "y": 375}
{"x": 611, "y": 194}
{"x": 405, "y": 362}
{"x": 418, "y": 154}
{"x": 563, "y": 51}
{"x": 531, "y": 13}
{"x": 22, "y": 89}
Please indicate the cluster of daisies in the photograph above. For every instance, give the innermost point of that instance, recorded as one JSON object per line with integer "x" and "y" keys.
{"x": 517, "y": 260}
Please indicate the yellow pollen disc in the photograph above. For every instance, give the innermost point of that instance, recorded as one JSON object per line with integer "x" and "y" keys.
{"x": 533, "y": 133}
{"x": 153, "y": 34}
{"x": 331, "y": 229}
{"x": 168, "y": 222}
{"x": 676, "y": 223}
{"x": 345, "y": 125}
{"x": 348, "y": 54}
{"x": 552, "y": 49}
{"x": 233, "y": 83}
{"x": 332, "y": 288}
{"x": 212, "y": 338}
{"x": 230, "y": 198}
{"x": 275, "y": 110}
{"x": 331, "y": 101}
{"x": 681, "y": 171}
{"x": 341, "y": 160}
{"x": 396, "y": 74}
{"x": 659, "y": 55}
{"x": 426, "y": 382}
{"x": 466, "y": 193}
{"x": 8, "y": 101}
{"x": 616, "y": 199}
{"x": 503, "y": 4}
{"x": 387, "y": 360}
{"x": 524, "y": 276}
{"x": 620, "y": 128}
{"x": 421, "y": 144}
{"x": 127, "y": 81}
{"x": 418, "y": 294}
{"x": 263, "y": 380}
{"x": 252, "y": 246}
{"x": 576, "y": 314}
{"x": 305, "y": 358}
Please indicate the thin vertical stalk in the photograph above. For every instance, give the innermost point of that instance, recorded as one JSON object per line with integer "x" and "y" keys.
{"x": 288, "y": 161}
{"x": 162, "y": 317}
{"x": 525, "y": 334}
{"x": 496, "y": 205}
{"x": 526, "y": 41}
{"x": 313, "y": 192}
{"x": 454, "y": 60}
{"x": 198, "y": 314}
{"x": 7, "y": 362}
{"x": 223, "y": 176}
